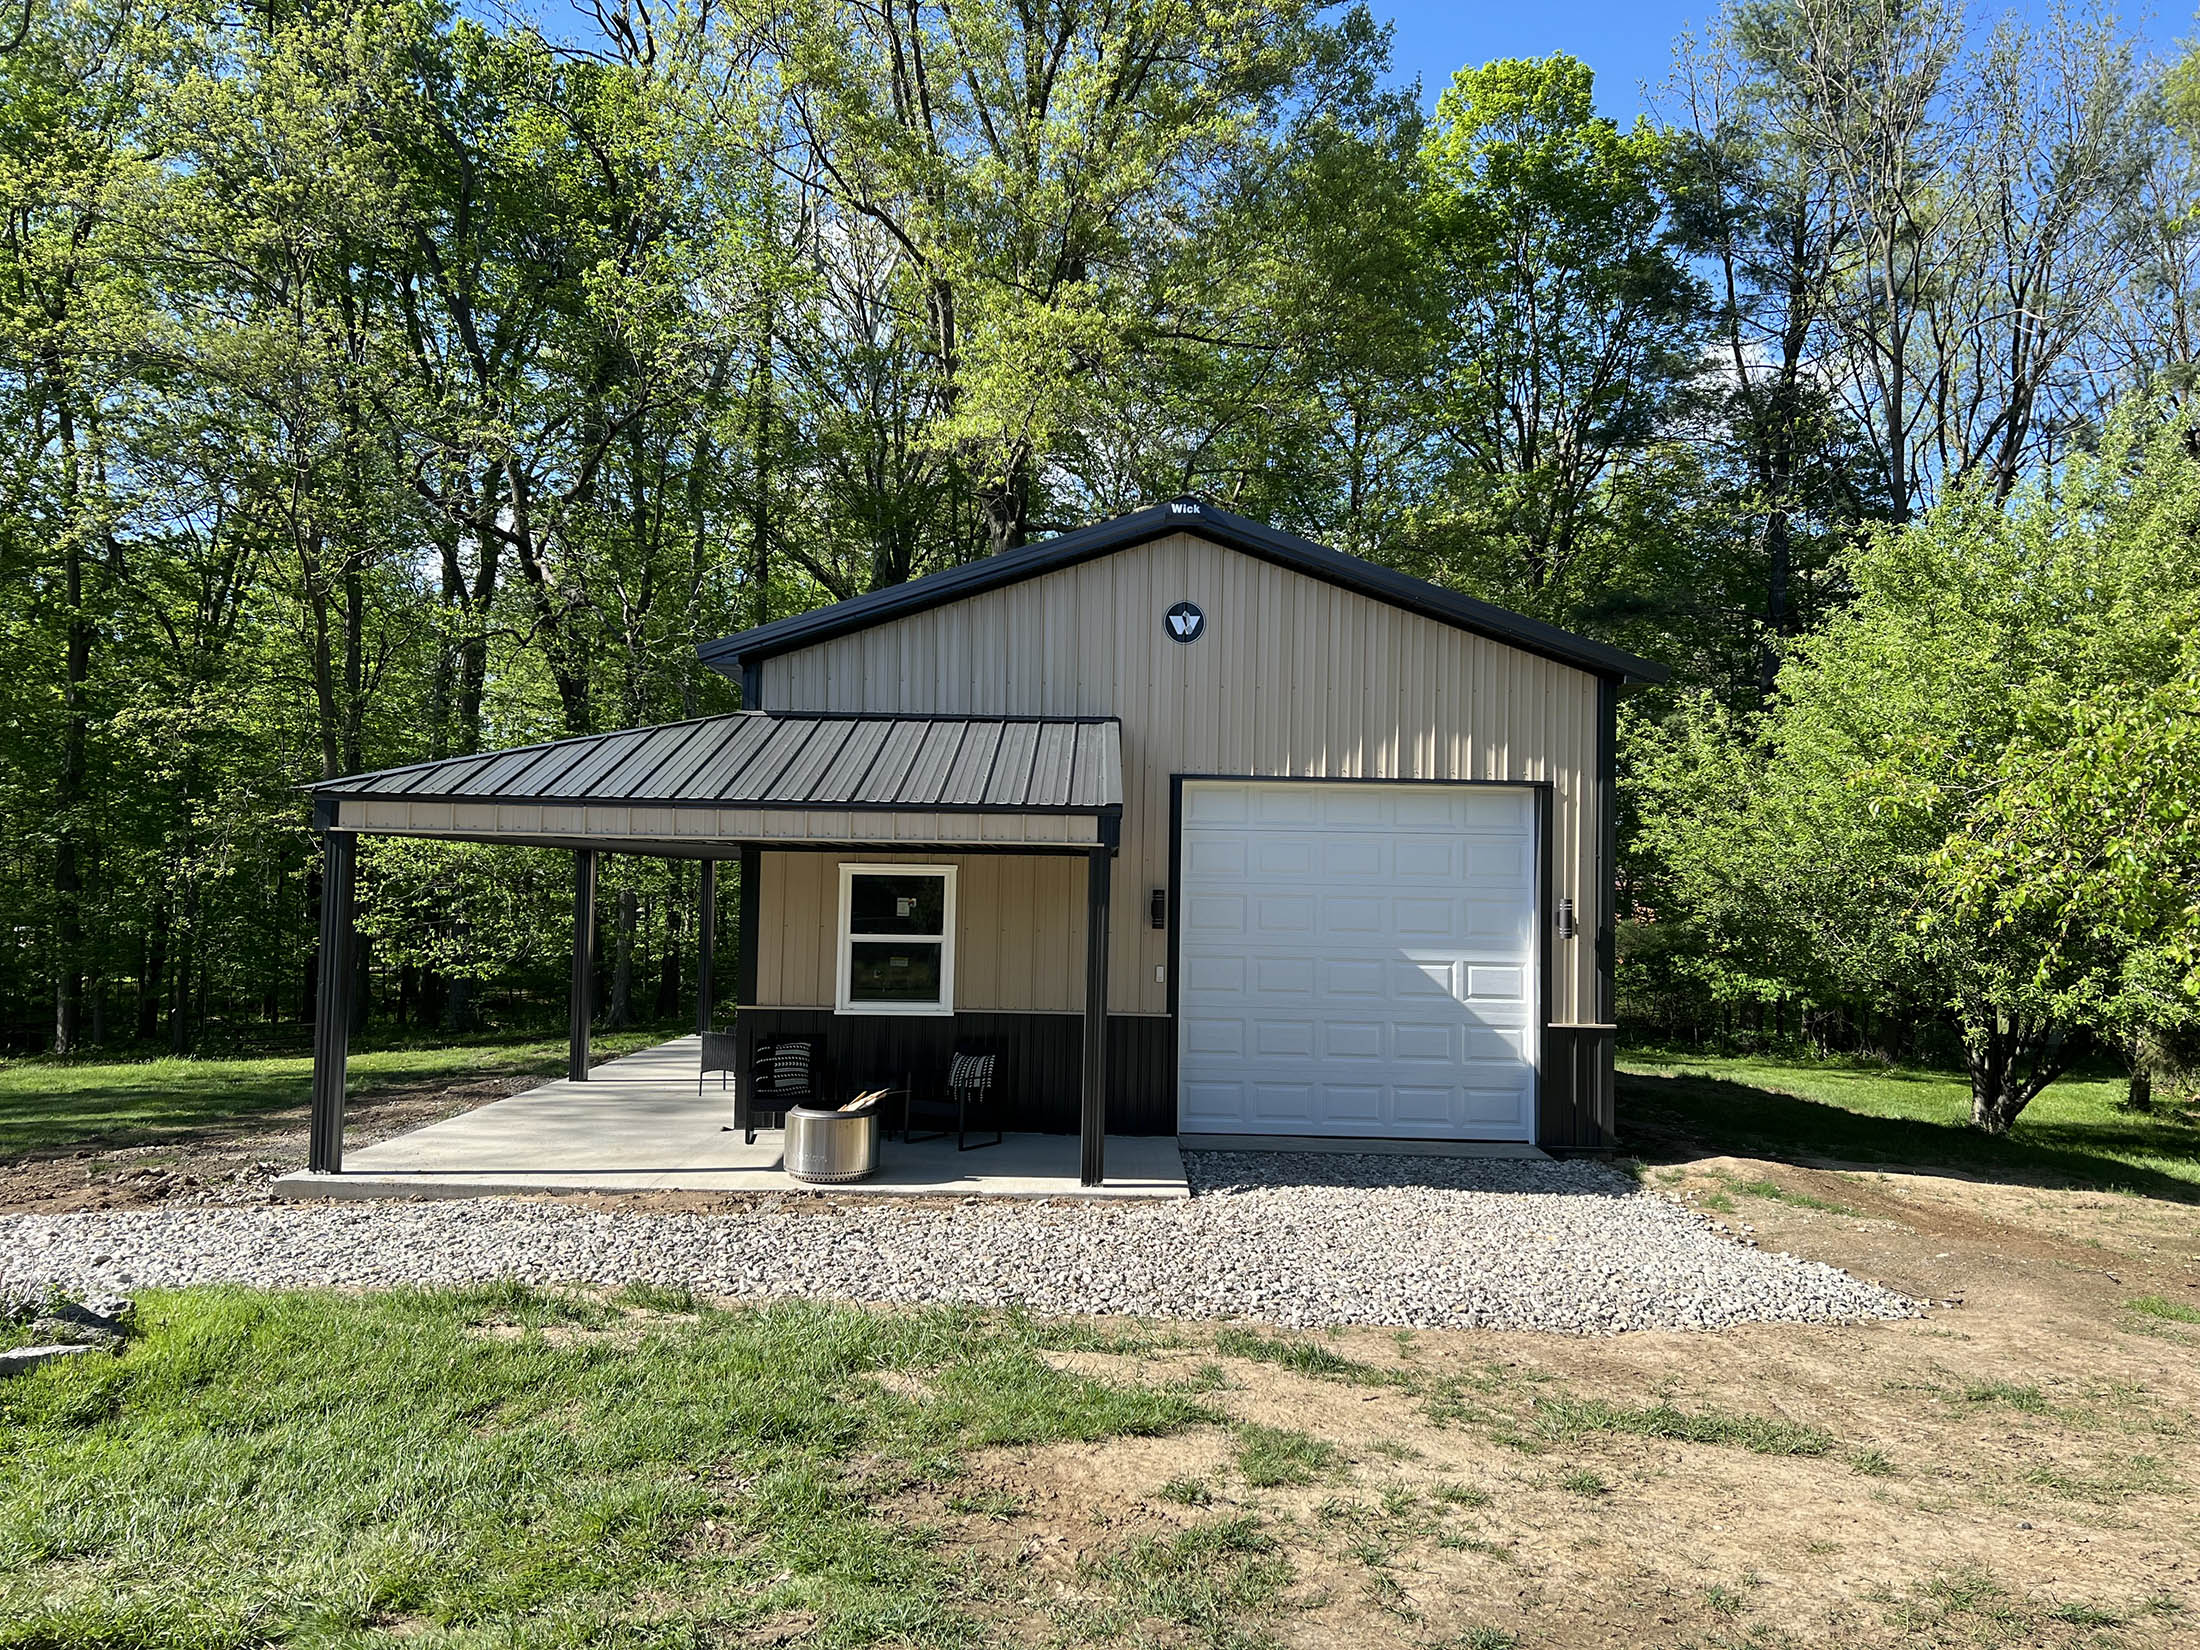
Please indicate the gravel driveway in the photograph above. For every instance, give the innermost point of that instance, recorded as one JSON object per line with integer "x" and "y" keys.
{"x": 1291, "y": 1239}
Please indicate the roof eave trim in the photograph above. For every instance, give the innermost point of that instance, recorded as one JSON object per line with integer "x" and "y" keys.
{"x": 744, "y": 650}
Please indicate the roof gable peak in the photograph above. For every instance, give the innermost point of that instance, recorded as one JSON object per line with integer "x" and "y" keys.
{"x": 1185, "y": 513}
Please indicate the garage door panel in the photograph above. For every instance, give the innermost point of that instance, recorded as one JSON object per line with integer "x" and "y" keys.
{"x": 1496, "y": 810}
{"x": 1211, "y": 1034}
{"x": 1215, "y": 856}
{"x": 1217, "y": 804}
{"x": 1283, "y": 976}
{"x": 1283, "y": 913}
{"x": 1487, "y": 1044}
{"x": 1409, "y": 978}
{"x": 1412, "y": 1040}
{"x": 1429, "y": 859}
{"x": 1282, "y": 1102}
{"x": 1281, "y": 856}
{"x": 1346, "y": 807}
{"x": 1425, "y": 1103}
{"x": 1210, "y": 1103}
{"x": 1360, "y": 977}
{"x": 1214, "y": 914}
{"x": 1497, "y": 862}
{"x": 1212, "y": 976}
{"x": 1357, "y": 959}
{"x": 1352, "y": 915}
{"x": 1495, "y": 1105}
{"x": 1353, "y": 1102}
{"x": 1351, "y": 1039}
{"x": 1486, "y": 983}
{"x": 1285, "y": 805}
{"x": 1352, "y": 856}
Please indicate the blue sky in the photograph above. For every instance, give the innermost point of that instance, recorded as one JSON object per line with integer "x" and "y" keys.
{"x": 1627, "y": 42}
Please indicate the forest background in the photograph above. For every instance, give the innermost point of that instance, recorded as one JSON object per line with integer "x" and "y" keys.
{"x": 385, "y": 381}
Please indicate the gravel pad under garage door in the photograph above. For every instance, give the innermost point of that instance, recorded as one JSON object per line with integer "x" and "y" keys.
{"x": 1356, "y": 959}
{"x": 1286, "y": 1238}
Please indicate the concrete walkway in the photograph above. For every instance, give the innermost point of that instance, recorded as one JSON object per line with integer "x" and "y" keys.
{"x": 637, "y": 1125}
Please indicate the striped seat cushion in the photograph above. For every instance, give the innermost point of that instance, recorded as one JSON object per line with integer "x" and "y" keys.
{"x": 791, "y": 1068}
{"x": 971, "y": 1071}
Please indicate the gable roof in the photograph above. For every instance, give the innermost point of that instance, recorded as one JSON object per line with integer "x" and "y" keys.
{"x": 735, "y": 655}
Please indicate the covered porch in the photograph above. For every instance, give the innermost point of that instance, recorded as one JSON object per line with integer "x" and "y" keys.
{"x": 637, "y": 1124}
{"x": 716, "y": 789}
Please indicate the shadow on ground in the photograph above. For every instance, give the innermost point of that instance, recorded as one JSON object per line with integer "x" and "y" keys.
{"x": 1669, "y": 1118}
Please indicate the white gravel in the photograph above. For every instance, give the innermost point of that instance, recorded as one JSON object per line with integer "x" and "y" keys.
{"x": 1291, "y": 1239}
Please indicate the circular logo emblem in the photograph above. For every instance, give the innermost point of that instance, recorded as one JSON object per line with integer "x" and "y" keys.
{"x": 1185, "y": 622}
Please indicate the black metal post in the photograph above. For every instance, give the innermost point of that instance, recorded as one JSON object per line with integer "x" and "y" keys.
{"x": 708, "y": 900}
{"x": 584, "y": 961}
{"x": 332, "y": 1003}
{"x": 1092, "y": 1117}
{"x": 748, "y": 936}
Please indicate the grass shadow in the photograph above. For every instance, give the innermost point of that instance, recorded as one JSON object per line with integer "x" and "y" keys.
{"x": 49, "y": 1105}
{"x": 1666, "y": 1116}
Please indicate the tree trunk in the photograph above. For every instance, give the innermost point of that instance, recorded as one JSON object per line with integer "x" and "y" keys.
{"x": 622, "y": 967}
{"x": 2011, "y": 1060}
{"x": 2139, "y": 1091}
{"x": 68, "y": 878}
{"x": 668, "y": 977}
{"x": 149, "y": 974}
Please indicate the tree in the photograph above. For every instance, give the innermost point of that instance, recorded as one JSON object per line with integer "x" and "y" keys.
{"x": 1980, "y": 202}
{"x": 1569, "y": 329}
{"x": 2088, "y": 842}
{"x": 1864, "y": 839}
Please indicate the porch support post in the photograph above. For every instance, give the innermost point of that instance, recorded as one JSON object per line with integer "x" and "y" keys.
{"x": 584, "y": 961}
{"x": 708, "y": 927}
{"x": 1092, "y": 1117}
{"x": 332, "y": 1003}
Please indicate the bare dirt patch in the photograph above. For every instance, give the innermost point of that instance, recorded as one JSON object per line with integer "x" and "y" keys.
{"x": 229, "y": 1164}
{"x": 2020, "y": 1468}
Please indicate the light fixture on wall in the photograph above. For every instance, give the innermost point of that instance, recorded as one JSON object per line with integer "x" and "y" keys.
{"x": 1157, "y": 908}
{"x": 1567, "y": 927}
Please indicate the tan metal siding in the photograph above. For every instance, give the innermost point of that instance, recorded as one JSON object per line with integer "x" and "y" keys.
{"x": 1019, "y": 929}
{"x": 1294, "y": 677}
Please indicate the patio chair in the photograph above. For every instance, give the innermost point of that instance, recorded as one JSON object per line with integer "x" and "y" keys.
{"x": 722, "y": 1054}
{"x": 971, "y": 1073}
{"x": 784, "y": 1072}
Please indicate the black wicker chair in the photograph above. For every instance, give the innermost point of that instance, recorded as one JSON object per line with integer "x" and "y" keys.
{"x": 973, "y": 1081}
{"x": 783, "y": 1073}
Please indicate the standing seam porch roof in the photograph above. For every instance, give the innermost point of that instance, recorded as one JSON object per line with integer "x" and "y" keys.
{"x": 759, "y": 759}
{"x": 735, "y": 655}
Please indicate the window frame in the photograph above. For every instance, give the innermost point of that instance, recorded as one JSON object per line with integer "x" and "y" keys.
{"x": 846, "y": 939}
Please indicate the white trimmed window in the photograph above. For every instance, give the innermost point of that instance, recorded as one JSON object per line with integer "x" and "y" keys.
{"x": 897, "y": 940}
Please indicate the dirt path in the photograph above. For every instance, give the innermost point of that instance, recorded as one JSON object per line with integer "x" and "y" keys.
{"x": 2020, "y": 1468}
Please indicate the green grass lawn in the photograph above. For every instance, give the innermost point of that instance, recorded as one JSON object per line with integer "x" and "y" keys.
{"x": 47, "y": 1103}
{"x": 513, "y": 1467}
{"x": 1769, "y": 1107}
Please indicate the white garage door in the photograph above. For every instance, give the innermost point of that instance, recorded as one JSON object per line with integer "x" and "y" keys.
{"x": 1356, "y": 960}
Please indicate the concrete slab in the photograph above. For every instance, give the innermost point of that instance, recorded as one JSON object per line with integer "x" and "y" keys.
{"x": 638, "y": 1125}
{"x": 1366, "y": 1148}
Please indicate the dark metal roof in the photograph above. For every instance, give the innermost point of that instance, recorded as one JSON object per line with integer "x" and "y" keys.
{"x": 756, "y": 759}
{"x": 731, "y": 654}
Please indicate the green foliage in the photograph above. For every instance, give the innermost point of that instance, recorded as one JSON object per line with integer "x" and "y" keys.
{"x": 1865, "y": 840}
{"x": 512, "y": 1463}
{"x": 1570, "y": 326}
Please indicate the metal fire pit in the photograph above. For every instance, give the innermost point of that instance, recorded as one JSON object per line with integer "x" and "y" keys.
{"x": 825, "y": 1147}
